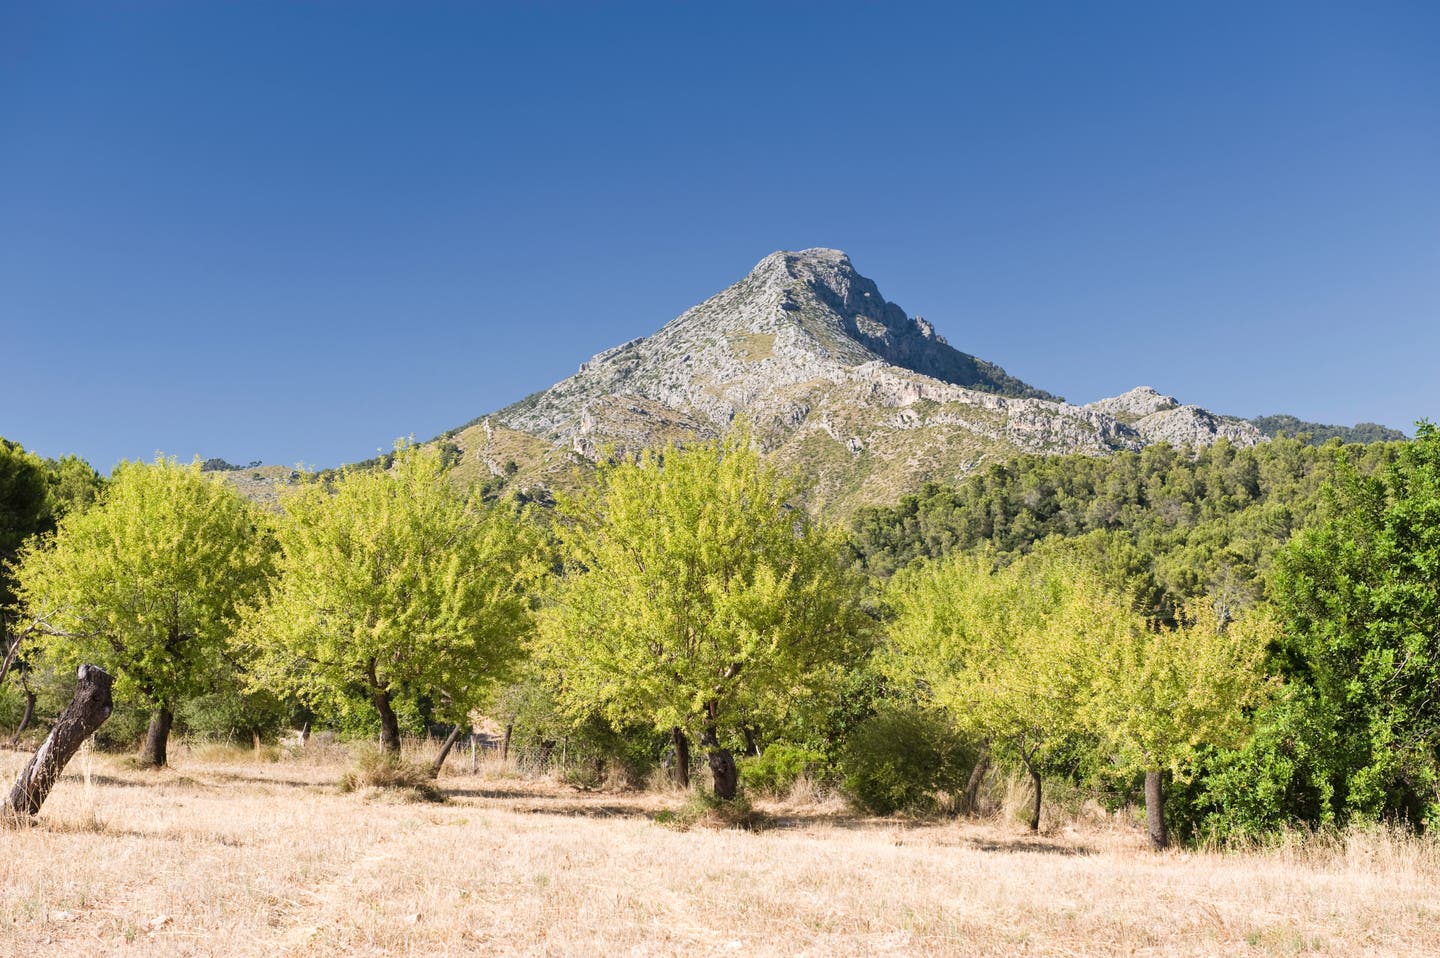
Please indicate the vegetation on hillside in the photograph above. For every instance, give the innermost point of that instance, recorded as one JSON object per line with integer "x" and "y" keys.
{"x": 1317, "y": 434}
{"x": 1240, "y": 639}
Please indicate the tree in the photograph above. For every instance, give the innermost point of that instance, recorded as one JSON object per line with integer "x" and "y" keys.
{"x": 1359, "y": 595}
{"x": 695, "y": 596}
{"x": 147, "y": 584}
{"x": 1005, "y": 652}
{"x": 394, "y": 583}
{"x": 74, "y": 485}
{"x": 1156, "y": 695}
{"x": 24, "y": 507}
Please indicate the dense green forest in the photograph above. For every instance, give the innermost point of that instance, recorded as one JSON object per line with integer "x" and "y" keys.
{"x": 1317, "y": 433}
{"x": 1239, "y": 639}
{"x": 1208, "y": 520}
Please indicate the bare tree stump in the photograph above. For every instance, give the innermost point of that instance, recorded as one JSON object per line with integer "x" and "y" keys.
{"x": 86, "y": 712}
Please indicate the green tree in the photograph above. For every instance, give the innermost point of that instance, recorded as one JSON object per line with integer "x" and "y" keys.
{"x": 1006, "y": 653}
{"x": 1360, "y": 596}
{"x": 147, "y": 584}
{"x": 1158, "y": 695}
{"x": 74, "y": 485}
{"x": 695, "y": 598}
{"x": 395, "y": 585}
{"x": 24, "y": 508}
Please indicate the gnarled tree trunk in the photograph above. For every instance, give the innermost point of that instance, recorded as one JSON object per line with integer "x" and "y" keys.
{"x": 389, "y": 724}
{"x": 157, "y": 738}
{"x": 977, "y": 778}
{"x": 86, "y": 712}
{"x": 1155, "y": 810}
{"x": 723, "y": 773}
{"x": 445, "y": 748}
{"x": 682, "y": 756}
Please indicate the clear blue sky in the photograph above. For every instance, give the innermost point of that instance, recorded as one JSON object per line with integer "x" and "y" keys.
{"x": 295, "y": 231}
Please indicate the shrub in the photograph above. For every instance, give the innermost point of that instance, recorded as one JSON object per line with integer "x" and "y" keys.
{"x": 896, "y": 760}
{"x": 230, "y": 714}
{"x": 704, "y": 810}
{"x": 775, "y": 771}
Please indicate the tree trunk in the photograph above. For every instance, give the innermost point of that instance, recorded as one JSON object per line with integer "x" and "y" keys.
{"x": 389, "y": 724}
{"x": 86, "y": 712}
{"x": 505, "y": 741}
{"x": 682, "y": 757}
{"x": 723, "y": 773}
{"x": 157, "y": 737}
{"x": 977, "y": 778}
{"x": 445, "y": 748}
{"x": 752, "y": 747}
{"x": 1035, "y": 810}
{"x": 1155, "y": 810}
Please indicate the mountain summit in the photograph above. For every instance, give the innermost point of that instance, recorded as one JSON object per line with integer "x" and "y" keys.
{"x": 797, "y": 318}
{"x": 837, "y": 381}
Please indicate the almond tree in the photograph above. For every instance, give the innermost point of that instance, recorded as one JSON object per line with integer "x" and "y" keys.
{"x": 147, "y": 585}
{"x": 395, "y": 583}
{"x": 694, "y": 594}
{"x": 1157, "y": 694}
{"x": 1007, "y": 653}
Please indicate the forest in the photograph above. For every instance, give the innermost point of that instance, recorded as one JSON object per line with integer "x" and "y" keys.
{"x": 1237, "y": 641}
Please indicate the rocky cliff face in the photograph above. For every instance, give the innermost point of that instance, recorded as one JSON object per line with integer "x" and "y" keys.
{"x": 868, "y": 401}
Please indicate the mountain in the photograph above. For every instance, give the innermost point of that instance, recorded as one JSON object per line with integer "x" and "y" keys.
{"x": 838, "y": 382}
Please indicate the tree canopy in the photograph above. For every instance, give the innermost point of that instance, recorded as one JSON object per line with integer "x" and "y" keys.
{"x": 1360, "y": 596}
{"x": 394, "y": 585}
{"x": 695, "y": 595}
{"x": 148, "y": 584}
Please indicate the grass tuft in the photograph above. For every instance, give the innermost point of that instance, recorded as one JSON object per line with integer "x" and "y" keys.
{"x": 703, "y": 810}
{"x": 392, "y": 776}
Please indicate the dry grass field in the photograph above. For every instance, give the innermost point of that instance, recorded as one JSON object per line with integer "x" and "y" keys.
{"x": 223, "y": 856}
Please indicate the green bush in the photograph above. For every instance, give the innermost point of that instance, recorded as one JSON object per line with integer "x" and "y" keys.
{"x": 899, "y": 758}
{"x": 231, "y": 715}
{"x": 776, "y": 770}
{"x": 1285, "y": 776}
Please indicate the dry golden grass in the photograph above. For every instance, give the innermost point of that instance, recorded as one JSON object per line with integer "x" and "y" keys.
{"x": 233, "y": 856}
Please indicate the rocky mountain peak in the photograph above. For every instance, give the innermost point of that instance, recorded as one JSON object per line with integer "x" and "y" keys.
{"x": 798, "y": 317}
{"x": 837, "y": 380}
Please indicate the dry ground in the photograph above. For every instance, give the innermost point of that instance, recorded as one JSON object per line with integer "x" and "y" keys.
{"x": 245, "y": 858}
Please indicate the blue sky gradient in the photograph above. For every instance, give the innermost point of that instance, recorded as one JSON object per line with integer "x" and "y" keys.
{"x": 295, "y": 231}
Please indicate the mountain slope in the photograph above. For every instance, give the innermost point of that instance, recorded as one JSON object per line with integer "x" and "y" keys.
{"x": 867, "y": 401}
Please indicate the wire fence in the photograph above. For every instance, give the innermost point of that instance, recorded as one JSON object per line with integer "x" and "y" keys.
{"x": 479, "y": 752}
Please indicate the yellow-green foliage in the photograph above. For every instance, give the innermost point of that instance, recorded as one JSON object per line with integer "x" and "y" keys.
{"x": 693, "y": 590}
{"x": 1158, "y": 694}
{"x": 1006, "y": 652}
{"x": 147, "y": 584}
{"x": 394, "y": 582}
{"x": 1044, "y": 648}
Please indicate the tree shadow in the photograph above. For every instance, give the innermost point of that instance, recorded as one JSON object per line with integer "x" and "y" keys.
{"x": 1020, "y": 846}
